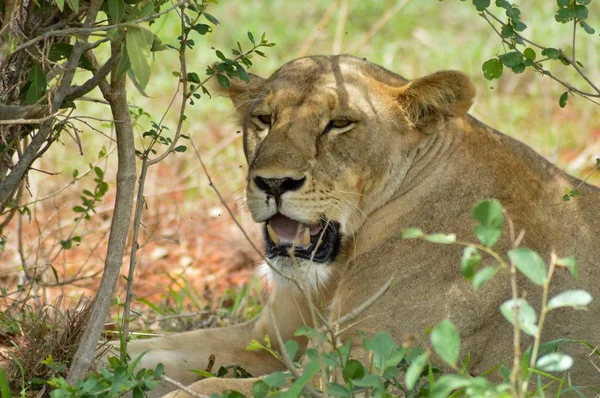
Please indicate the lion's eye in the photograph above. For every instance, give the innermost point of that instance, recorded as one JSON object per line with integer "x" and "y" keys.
{"x": 340, "y": 125}
{"x": 264, "y": 119}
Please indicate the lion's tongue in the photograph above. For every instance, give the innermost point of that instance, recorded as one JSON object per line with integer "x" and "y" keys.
{"x": 288, "y": 230}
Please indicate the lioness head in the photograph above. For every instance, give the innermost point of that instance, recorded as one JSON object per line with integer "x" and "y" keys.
{"x": 328, "y": 141}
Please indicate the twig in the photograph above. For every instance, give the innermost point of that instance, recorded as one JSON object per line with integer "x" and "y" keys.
{"x": 339, "y": 31}
{"x": 78, "y": 91}
{"x": 288, "y": 361}
{"x": 183, "y": 388}
{"x": 543, "y": 312}
{"x": 381, "y": 22}
{"x": 146, "y": 163}
{"x": 27, "y": 121}
{"x": 574, "y": 32}
{"x": 308, "y": 43}
{"x": 366, "y": 304}
{"x": 10, "y": 182}
{"x": 86, "y": 30}
{"x": 571, "y": 88}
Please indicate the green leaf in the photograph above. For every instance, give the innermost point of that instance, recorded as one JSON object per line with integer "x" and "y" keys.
{"x": 503, "y": 4}
{"x": 571, "y": 264}
{"x": 518, "y": 68}
{"x": 565, "y": 15}
{"x": 201, "y": 372}
{"x": 370, "y": 380}
{"x": 511, "y": 59}
{"x": 562, "y": 101}
{"x": 529, "y": 263}
{"x": 180, "y": 148}
{"x": 277, "y": 379}
{"x": 241, "y": 72}
{"x": 74, "y": 5}
{"x": 291, "y": 347}
{"x": 411, "y": 233}
{"x": 193, "y": 77}
{"x": 554, "y": 362}
{"x": 551, "y": 53}
{"x": 296, "y": 388}
{"x": 336, "y": 390}
{"x": 382, "y": 346}
{"x": 260, "y": 389}
{"x": 448, "y": 383}
{"x": 469, "y": 262}
{"x": 223, "y": 81}
{"x": 202, "y": 28}
{"x": 577, "y": 299}
{"x": 482, "y": 277}
{"x": 529, "y": 53}
{"x": 446, "y": 341}
{"x": 4, "y": 387}
{"x": 414, "y": 371}
{"x": 491, "y": 220}
{"x": 481, "y": 5}
{"x": 526, "y": 315}
{"x": 492, "y": 69}
{"x": 581, "y": 12}
{"x": 211, "y": 18}
{"x": 507, "y": 31}
{"x": 124, "y": 64}
{"x": 353, "y": 370}
{"x": 583, "y": 2}
{"x": 116, "y": 10}
{"x": 139, "y": 42}
{"x": 441, "y": 238}
{"x": 520, "y": 26}
{"x": 37, "y": 84}
{"x": 60, "y": 4}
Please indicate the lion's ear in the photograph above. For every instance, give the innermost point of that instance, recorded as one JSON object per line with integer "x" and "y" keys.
{"x": 240, "y": 92}
{"x": 446, "y": 93}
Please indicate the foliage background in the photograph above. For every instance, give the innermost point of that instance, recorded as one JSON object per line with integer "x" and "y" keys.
{"x": 191, "y": 251}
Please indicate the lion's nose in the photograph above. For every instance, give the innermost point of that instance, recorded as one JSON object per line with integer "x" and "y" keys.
{"x": 278, "y": 186}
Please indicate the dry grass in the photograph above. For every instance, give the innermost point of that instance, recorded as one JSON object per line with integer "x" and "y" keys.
{"x": 42, "y": 341}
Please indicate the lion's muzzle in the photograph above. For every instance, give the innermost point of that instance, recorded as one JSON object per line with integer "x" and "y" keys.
{"x": 285, "y": 237}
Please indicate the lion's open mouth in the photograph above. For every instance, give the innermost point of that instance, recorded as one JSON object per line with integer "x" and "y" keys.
{"x": 319, "y": 243}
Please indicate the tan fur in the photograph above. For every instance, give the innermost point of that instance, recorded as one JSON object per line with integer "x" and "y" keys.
{"x": 414, "y": 158}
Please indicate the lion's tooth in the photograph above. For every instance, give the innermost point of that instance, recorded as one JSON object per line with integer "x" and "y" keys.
{"x": 273, "y": 235}
{"x": 305, "y": 238}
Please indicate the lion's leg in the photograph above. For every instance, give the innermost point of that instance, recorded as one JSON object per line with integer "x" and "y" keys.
{"x": 216, "y": 385}
{"x": 182, "y": 352}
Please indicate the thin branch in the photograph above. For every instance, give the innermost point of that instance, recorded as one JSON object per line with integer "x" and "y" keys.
{"x": 339, "y": 31}
{"x": 366, "y": 304}
{"x": 78, "y": 91}
{"x": 9, "y": 184}
{"x": 21, "y": 112}
{"x": 28, "y": 121}
{"x": 183, "y": 388}
{"x": 308, "y": 43}
{"x": 574, "y": 32}
{"x": 288, "y": 361}
{"x": 379, "y": 24}
{"x": 86, "y": 30}
{"x": 571, "y": 88}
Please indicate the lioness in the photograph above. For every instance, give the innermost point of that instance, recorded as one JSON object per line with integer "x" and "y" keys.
{"x": 343, "y": 155}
